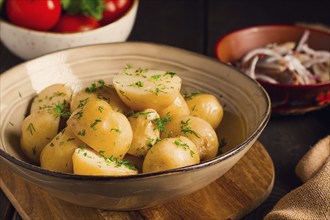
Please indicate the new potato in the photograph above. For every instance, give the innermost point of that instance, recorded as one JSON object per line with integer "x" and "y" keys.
{"x": 171, "y": 153}
{"x": 56, "y": 94}
{"x": 88, "y": 162}
{"x": 102, "y": 128}
{"x": 38, "y": 129}
{"x": 145, "y": 132}
{"x": 143, "y": 88}
{"x": 176, "y": 109}
{"x": 57, "y": 154}
{"x": 207, "y": 107}
{"x": 199, "y": 131}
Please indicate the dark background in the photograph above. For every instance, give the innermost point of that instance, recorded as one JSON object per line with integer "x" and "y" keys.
{"x": 196, "y": 25}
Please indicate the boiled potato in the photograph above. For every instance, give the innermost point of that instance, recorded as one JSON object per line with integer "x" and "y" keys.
{"x": 101, "y": 91}
{"x": 198, "y": 131}
{"x": 57, "y": 154}
{"x": 207, "y": 107}
{"x": 142, "y": 88}
{"x": 171, "y": 153}
{"x": 56, "y": 94}
{"x": 101, "y": 128}
{"x": 145, "y": 132}
{"x": 38, "y": 129}
{"x": 88, "y": 162}
{"x": 178, "y": 108}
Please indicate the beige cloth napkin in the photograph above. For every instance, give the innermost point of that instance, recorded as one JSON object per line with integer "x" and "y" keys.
{"x": 312, "y": 199}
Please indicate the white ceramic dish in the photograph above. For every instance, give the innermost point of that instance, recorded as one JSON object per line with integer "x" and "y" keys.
{"x": 28, "y": 44}
{"x": 246, "y": 105}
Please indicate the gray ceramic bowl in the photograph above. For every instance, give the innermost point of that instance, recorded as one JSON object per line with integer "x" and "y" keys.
{"x": 246, "y": 105}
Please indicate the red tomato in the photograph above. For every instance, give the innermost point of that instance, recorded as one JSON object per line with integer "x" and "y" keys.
{"x": 39, "y": 15}
{"x": 75, "y": 23}
{"x": 114, "y": 10}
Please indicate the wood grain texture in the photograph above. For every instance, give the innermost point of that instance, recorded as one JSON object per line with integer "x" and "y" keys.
{"x": 232, "y": 196}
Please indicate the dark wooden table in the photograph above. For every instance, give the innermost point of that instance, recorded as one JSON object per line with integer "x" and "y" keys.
{"x": 196, "y": 25}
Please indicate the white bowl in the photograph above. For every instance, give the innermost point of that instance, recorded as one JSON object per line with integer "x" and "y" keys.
{"x": 246, "y": 113}
{"x": 27, "y": 44}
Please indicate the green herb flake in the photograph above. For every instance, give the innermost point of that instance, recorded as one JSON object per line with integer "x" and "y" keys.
{"x": 95, "y": 123}
{"x": 100, "y": 108}
{"x": 123, "y": 94}
{"x": 31, "y": 128}
{"x": 95, "y": 86}
{"x": 158, "y": 90}
{"x": 139, "y": 84}
{"x": 19, "y": 94}
{"x": 185, "y": 146}
{"x": 81, "y": 148}
{"x": 116, "y": 130}
{"x": 119, "y": 163}
{"x": 70, "y": 139}
{"x": 140, "y": 71}
{"x": 62, "y": 110}
{"x": 172, "y": 74}
{"x": 102, "y": 152}
{"x": 11, "y": 123}
{"x": 82, "y": 132}
{"x": 156, "y": 77}
{"x": 161, "y": 123}
{"x": 150, "y": 142}
{"x": 79, "y": 114}
{"x": 185, "y": 128}
{"x": 191, "y": 95}
{"x": 83, "y": 102}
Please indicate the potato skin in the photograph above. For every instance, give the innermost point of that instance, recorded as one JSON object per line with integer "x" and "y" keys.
{"x": 38, "y": 129}
{"x": 88, "y": 162}
{"x": 142, "y": 88}
{"x": 145, "y": 132}
{"x": 178, "y": 108}
{"x": 57, "y": 154}
{"x": 51, "y": 96}
{"x": 199, "y": 131}
{"x": 101, "y": 128}
{"x": 207, "y": 107}
{"x": 171, "y": 153}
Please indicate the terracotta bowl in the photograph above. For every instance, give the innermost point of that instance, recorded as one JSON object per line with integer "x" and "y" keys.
{"x": 285, "y": 98}
{"x": 246, "y": 113}
{"x": 27, "y": 44}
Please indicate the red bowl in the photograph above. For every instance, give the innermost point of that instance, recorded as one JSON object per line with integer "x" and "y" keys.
{"x": 286, "y": 98}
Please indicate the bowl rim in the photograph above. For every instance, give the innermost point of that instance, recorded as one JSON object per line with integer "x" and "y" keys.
{"x": 134, "y": 4}
{"x": 274, "y": 26}
{"x": 203, "y": 164}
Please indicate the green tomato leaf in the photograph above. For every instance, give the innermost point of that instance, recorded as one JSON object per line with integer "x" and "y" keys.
{"x": 93, "y": 8}
{"x": 65, "y": 4}
{"x": 90, "y": 8}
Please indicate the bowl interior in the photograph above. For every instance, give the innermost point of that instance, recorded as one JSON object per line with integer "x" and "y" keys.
{"x": 245, "y": 102}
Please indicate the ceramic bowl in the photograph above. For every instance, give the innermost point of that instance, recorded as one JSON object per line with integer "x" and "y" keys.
{"x": 286, "y": 99}
{"x": 246, "y": 113}
{"x": 27, "y": 44}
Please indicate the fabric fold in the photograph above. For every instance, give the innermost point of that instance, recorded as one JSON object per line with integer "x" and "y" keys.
{"x": 312, "y": 199}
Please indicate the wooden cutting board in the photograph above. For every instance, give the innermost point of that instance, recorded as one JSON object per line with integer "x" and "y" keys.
{"x": 232, "y": 196}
